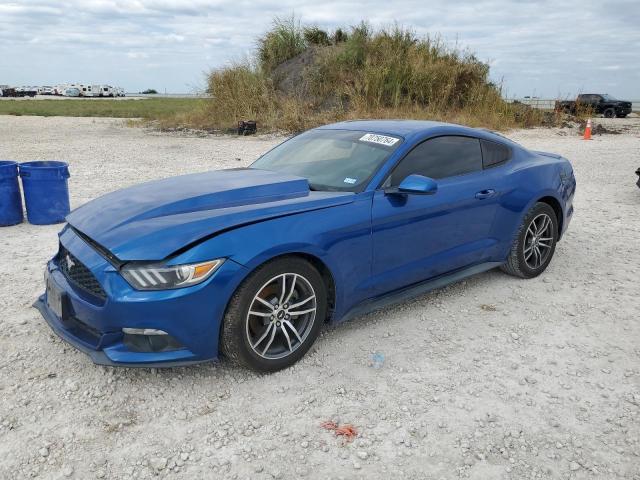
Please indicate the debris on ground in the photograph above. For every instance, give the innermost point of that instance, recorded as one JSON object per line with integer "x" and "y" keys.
{"x": 377, "y": 360}
{"x": 488, "y": 308}
{"x": 347, "y": 431}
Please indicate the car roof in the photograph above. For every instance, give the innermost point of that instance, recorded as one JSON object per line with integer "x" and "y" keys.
{"x": 391, "y": 127}
{"x": 420, "y": 128}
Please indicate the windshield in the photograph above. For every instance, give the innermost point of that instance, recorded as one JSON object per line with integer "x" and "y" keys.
{"x": 608, "y": 98}
{"x": 338, "y": 160}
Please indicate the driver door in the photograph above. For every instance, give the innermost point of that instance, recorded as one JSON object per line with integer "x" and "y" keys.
{"x": 416, "y": 237}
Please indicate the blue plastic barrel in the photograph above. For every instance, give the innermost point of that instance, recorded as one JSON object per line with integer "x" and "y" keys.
{"x": 10, "y": 199}
{"x": 46, "y": 193}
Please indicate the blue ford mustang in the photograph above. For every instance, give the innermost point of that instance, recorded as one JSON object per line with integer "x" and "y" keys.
{"x": 332, "y": 223}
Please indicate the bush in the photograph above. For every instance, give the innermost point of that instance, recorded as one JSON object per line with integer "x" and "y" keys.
{"x": 339, "y": 36}
{"x": 240, "y": 92}
{"x": 284, "y": 41}
{"x": 316, "y": 36}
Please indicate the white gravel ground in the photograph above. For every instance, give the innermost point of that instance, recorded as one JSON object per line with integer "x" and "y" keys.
{"x": 491, "y": 378}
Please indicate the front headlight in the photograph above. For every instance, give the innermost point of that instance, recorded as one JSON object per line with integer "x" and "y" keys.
{"x": 163, "y": 277}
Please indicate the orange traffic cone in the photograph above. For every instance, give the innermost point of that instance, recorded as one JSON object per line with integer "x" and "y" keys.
{"x": 587, "y": 131}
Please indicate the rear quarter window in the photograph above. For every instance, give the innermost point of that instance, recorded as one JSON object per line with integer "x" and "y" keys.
{"x": 494, "y": 154}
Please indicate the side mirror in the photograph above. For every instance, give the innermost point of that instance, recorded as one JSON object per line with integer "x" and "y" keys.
{"x": 415, "y": 184}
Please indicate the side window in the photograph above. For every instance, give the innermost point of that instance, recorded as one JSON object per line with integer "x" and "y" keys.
{"x": 494, "y": 154}
{"x": 440, "y": 157}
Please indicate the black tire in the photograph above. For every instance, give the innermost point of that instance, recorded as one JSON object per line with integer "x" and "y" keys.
{"x": 517, "y": 264}
{"x": 609, "y": 113}
{"x": 237, "y": 326}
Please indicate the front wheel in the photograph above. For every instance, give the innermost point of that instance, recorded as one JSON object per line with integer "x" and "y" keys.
{"x": 609, "y": 113}
{"x": 534, "y": 244}
{"x": 275, "y": 315}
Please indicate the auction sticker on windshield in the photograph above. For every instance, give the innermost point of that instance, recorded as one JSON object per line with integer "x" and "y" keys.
{"x": 380, "y": 139}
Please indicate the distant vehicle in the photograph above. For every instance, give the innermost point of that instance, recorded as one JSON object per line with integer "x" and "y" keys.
{"x": 107, "y": 91}
{"x": 638, "y": 173}
{"x": 150, "y": 91}
{"x": 25, "y": 92}
{"x": 71, "y": 92}
{"x": 8, "y": 92}
{"x": 96, "y": 90}
{"x": 46, "y": 91}
{"x": 121, "y": 92}
{"x": 603, "y": 104}
{"x": 87, "y": 90}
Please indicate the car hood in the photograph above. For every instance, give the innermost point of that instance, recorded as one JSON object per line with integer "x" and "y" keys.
{"x": 152, "y": 220}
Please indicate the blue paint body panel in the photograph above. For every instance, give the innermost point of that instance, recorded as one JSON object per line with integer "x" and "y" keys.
{"x": 378, "y": 248}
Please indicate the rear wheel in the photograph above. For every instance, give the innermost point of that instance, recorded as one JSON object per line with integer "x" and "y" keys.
{"x": 534, "y": 244}
{"x": 275, "y": 315}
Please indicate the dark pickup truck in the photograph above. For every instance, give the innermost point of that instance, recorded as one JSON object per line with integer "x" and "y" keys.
{"x": 598, "y": 103}
{"x": 12, "y": 92}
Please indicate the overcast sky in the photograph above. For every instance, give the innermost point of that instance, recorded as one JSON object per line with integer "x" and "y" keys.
{"x": 543, "y": 48}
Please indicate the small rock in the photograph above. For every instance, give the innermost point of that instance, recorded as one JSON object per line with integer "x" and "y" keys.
{"x": 515, "y": 336}
{"x": 574, "y": 466}
{"x": 44, "y": 452}
{"x": 362, "y": 455}
{"x": 158, "y": 463}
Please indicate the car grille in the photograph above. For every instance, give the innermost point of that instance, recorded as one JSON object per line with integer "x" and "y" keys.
{"x": 77, "y": 273}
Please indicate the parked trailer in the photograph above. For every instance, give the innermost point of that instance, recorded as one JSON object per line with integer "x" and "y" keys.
{"x": 107, "y": 91}
{"x": 71, "y": 92}
{"x": 86, "y": 90}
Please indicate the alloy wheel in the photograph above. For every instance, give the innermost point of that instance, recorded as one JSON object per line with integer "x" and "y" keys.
{"x": 538, "y": 241}
{"x": 281, "y": 315}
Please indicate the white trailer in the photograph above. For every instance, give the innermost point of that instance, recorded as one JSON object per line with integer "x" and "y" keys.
{"x": 88, "y": 90}
{"x": 107, "y": 91}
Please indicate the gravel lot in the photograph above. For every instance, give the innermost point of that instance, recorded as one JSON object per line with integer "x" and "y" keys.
{"x": 490, "y": 378}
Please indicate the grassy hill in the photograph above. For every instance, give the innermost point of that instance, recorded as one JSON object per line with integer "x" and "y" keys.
{"x": 303, "y": 76}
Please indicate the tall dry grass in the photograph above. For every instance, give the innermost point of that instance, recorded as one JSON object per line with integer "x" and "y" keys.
{"x": 362, "y": 73}
{"x": 285, "y": 40}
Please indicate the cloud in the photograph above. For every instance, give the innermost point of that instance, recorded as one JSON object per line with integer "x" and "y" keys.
{"x": 545, "y": 48}
{"x": 137, "y": 55}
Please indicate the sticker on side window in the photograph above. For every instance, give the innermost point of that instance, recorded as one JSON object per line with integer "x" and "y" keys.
{"x": 380, "y": 139}
{"x": 350, "y": 181}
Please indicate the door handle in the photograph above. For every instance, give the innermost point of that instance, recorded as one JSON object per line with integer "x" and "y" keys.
{"x": 482, "y": 194}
